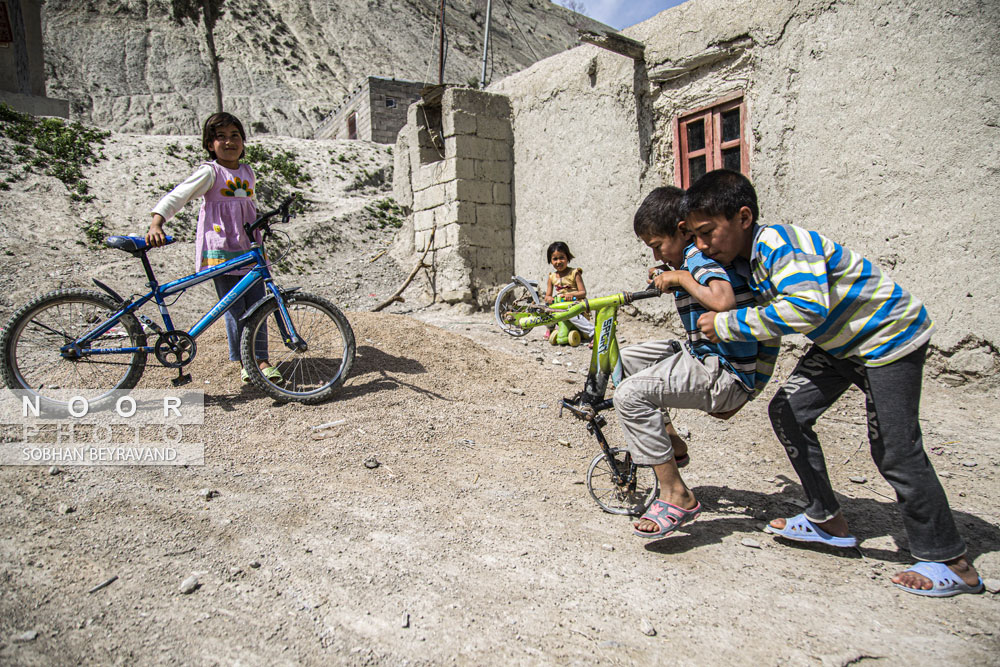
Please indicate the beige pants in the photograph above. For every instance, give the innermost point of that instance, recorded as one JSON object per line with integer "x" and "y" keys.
{"x": 658, "y": 379}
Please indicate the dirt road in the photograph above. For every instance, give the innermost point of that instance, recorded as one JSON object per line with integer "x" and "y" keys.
{"x": 474, "y": 541}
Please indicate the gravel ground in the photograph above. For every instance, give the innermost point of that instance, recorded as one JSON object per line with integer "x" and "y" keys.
{"x": 474, "y": 540}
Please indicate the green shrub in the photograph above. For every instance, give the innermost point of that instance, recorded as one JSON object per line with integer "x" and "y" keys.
{"x": 95, "y": 232}
{"x": 53, "y": 147}
{"x": 386, "y": 213}
{"x": 280, "y": 171}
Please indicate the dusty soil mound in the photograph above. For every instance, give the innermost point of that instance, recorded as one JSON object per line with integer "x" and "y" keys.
{"x": 474, "y": 539}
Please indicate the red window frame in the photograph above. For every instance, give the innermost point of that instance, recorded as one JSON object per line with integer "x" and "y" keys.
{"x": 711, "y": 117}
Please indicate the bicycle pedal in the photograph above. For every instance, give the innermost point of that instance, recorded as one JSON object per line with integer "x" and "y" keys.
{"x": 181, "y": 379}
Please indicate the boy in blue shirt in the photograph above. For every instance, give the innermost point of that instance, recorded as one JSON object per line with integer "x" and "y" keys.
{"x": 716, "y": 378}
{"x": 867, "y": 331}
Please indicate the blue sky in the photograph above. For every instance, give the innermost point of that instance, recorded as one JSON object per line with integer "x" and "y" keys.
{"x": 620, "y": 14}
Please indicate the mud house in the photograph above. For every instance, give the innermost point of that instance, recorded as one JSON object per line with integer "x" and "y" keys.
{"x": 375, "y": 111}
{"x": 22, "y": 60}
{"x": 875, "y": 123}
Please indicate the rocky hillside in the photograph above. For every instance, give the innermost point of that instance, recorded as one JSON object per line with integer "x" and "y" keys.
{"x": 144, "y": 66}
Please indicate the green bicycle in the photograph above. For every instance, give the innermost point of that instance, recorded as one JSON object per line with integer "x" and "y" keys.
{"x": 614, "y": 481}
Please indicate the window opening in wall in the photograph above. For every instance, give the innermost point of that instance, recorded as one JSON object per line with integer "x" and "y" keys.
{"x": 712, "y": 137}
{"x": 352, "y": 126}
{"x": 390, "y": 103}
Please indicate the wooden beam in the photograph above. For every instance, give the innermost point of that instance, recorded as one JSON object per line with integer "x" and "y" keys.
{"x": 615, "y": 42}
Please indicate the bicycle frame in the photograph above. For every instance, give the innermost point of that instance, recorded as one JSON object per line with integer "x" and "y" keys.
{"x": 260, "y": 272}
{"x": 605, "y": 364}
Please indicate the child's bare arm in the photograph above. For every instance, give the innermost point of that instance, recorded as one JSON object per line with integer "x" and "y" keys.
{"x": 581, "y": 291}
{"x": 717, "y": 295}
{"x": 548, "y": 290}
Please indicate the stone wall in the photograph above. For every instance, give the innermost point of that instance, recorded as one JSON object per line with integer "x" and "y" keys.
{"x": 453, "y": 165}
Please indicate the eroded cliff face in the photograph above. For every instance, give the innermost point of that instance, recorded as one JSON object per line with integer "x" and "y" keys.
{"x": 130, "y": 66}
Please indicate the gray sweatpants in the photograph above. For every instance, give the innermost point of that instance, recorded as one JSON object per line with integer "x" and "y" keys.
{"x": 658, "y": 377}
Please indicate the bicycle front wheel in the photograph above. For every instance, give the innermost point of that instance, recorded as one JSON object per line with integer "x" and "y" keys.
{"x": 309, "y": 375}
{"x": 514, "y": 297}
{"x": 634, "y": 497}
{"x": 32, "y": 338}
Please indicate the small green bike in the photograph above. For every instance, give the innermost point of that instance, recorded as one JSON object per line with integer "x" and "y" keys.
{"x": 615, "y": 482}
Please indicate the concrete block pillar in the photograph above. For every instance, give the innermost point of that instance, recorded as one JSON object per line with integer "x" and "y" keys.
{"x": 453, "y": 169}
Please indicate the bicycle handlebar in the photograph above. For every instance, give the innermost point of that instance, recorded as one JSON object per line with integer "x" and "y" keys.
{"x": 649, "y": 293}
{"x": 263, "y": 221}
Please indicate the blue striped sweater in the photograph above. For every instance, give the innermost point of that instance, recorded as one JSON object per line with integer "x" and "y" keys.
{"x": 752, "y": 362}
{"x": 808, "y": 284}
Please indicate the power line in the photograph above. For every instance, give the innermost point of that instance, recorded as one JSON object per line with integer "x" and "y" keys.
{"x": 518, "y": 26}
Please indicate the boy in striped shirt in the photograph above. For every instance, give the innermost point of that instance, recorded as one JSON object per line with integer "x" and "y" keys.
{"x": 866, "y": 331}
{"x": 718, "y": 378}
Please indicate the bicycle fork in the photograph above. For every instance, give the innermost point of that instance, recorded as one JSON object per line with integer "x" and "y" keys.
{"x": 590, "y": 413}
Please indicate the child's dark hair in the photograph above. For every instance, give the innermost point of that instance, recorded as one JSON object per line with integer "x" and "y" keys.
{"x": 660, "y": 212}
{"x": 561, "y": 247}
{"x": 721, "y": 192}
{"x": 214, "y": 122}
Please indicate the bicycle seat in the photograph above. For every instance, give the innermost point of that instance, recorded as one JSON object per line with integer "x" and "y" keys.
{"x": 131, "y": 244}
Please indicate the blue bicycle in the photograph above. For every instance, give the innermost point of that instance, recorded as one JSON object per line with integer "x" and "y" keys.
{"x": 94, "y": 343}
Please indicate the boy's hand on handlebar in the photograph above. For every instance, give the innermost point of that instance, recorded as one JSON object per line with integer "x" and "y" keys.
{"x": 656, "y": 270}
{"x": 668, "y": 280}
{"x": 155, "y": 236}
{"x": 707, "y": 325}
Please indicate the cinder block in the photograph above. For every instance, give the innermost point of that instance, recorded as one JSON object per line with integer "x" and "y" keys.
{"x": 496, "y": 171}
{"x": 493, "y": 265}
{"x": 491, "y": 149}
{"x": 449, "y": 235}
{"x": 457, "y": 211}
{"x": 423, "y": 220}
{"x": 458, "y": 123}
{"x": 479, "y": 192}
{"x": 467, "y": 146}
{"x": 493, "y": 216}
{"x": 420, "y": 240}
{"x": 494, "y": 128}
{"x": 456, "y": 167}
{"x": 429, "y": 197}
{"x": 476, "y": 102}
{"x": 501, "y": 193}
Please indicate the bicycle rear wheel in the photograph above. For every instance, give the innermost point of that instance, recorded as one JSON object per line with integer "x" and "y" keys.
{"x": 514, "y": 297}
{"x": 632, "y": 498}
{"x": 33, "y": 336}
{"x": 307, "y": 376}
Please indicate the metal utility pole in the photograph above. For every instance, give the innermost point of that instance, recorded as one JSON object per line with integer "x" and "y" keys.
{"x": 441, "y": 49}
{"x": 486, "y": 43}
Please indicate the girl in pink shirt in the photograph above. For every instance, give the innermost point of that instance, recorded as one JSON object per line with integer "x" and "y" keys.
{"x": 228, "y": 190}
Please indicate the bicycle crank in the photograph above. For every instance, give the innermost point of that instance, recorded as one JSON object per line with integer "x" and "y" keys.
{"x": 175, "y": 349}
